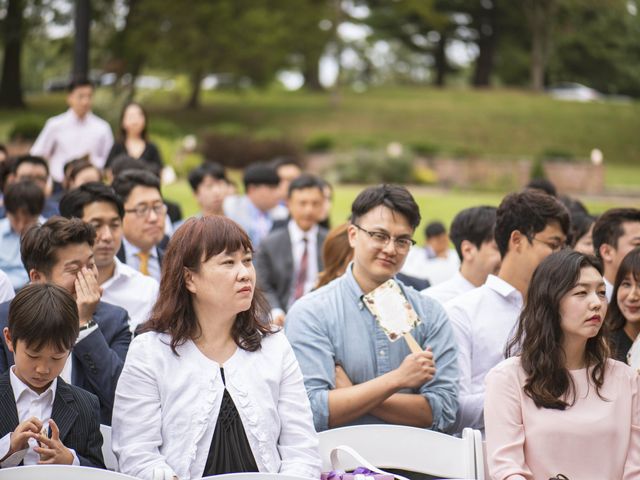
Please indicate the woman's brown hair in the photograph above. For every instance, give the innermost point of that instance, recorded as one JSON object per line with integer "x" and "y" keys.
{"x": 336, "y": 254}
{"x": 539, "y": 336}
{"x": 195, "y": 242}
{"x": 630, "y": 265}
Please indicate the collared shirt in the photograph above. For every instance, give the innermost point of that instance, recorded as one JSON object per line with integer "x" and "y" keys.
{"x": 256, "y": 223}
{"x": 131, "y": 290}
{"x": 608, "y": 286}
{"x": 133, "y": 260}
{"x": 6, "y": 289}
{"x": 445, "y": 291}
{"x": 483, "y": 320}
{"x": 297, "y": 246}
{"x": 29, "y": 404}
{"x": 421, "y": 264}
{"x": 332, "y": 326}
{"x": 10, "y": 261}
{"x": 66, "y": 136}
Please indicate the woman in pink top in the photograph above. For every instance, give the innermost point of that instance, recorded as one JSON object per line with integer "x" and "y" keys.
{"x": 562, "y": 406}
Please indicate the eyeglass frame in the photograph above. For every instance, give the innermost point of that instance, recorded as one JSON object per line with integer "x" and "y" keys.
{"x": 143, "y": 211}
{"x": 388, "y": 238}
{"x": 553, "y": 247}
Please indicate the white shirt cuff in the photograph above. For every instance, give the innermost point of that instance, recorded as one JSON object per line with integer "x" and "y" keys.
{"x": 14, "y": 459}
{"x": 85, "y": 333}
{"x": 276, "y": 312}
{"x": 76, "y": 461}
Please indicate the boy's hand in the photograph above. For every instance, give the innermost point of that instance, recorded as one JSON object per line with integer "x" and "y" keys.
{"x": 20, "y": 437}
{"x": 88, "y": 293}
{"x": 52, "y": 451}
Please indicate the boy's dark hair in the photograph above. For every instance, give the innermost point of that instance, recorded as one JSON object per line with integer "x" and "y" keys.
{"x": 475, "y": 225}
{"x": 608, "y": 227}
{"x": 434, "y": 229}
{"x": 305, "y": 180}
{"x": 260, "y": 174}
{"x": 124, "y": 183}
{"x": 580, "y": 225}
{"x": 79, "y": 82}
{"x": 124, "y": 162}
{"x": 544, "y": 185}
{"x": 43, "y": 314}
{"x": 24, "y": 195}
{"x": 211, "y": 169}
{"x": 40, "y": 243}
{"x": 529, "y": 212}
{"x": 395, "y": 197}
{"x": 278, "y": 162}
{"x": 29, "y": 159}
{"x": 72, "y": 203}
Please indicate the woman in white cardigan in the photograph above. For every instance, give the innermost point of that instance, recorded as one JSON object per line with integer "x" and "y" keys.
{"x": 210, "y": 388}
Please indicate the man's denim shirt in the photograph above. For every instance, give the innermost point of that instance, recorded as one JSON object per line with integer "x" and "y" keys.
{"x": 332, "y": 326}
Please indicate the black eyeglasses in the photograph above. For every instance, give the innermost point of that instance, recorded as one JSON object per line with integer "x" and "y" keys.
{"x": 382, "y": 239}
{"x": 142, "y": 211}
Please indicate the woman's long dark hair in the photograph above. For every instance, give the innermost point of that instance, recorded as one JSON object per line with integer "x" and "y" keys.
{"x": 195, "y": 242}
{"x": 539, "y": 337}
{"x": 630, "y": 265}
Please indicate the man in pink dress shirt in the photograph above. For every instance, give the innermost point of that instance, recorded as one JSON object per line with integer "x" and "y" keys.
{"x": 74, "y": 133}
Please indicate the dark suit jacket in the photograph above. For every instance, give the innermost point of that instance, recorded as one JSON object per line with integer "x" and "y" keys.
{"x": 76, "y": 413}
{"x": 275, "y": 266}
{"x": 97, "y": 359}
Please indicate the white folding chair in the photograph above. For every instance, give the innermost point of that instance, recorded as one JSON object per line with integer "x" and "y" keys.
{"x": 406, "y": 448}
{"x": 110, "y": 460}
{"x": 254, "y": 476}
{"x": 59, "y": 472}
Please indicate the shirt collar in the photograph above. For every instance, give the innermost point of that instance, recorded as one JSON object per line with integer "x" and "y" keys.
{"x": 20, "y": 388}
{"x": 296, "y": 233}
{"x": 75, "y": 118}
{"x": 131, "y": 249}
{"x": 503, "y": 288}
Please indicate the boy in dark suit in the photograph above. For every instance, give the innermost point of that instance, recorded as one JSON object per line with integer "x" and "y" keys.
{"x": 45, "y": 420}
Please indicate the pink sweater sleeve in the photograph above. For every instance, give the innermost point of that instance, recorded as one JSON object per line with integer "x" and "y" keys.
{"x": 632, "y": 463}
{"x": 505, "y": 433}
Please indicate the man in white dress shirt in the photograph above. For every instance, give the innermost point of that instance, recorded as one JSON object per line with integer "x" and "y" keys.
{"x": 529, "y": 226}
{"x": 98, "y": 205}
{"x": 74, "y": 133}
{"x": 472, "y": 235}
{"x": 615, "y": 233}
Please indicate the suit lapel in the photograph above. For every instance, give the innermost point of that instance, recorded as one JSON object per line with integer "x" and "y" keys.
{"x": 62, "y": 413}
{"x": 9, "y": 417}
{"x": 287, "y": 257}
{"x": 319, "y": 243}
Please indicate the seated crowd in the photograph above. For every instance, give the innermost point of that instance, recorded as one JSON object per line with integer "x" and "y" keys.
{"x": 225, "y": 341}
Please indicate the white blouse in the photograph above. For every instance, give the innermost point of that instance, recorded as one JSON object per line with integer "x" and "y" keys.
{"x": 166, "y": 408}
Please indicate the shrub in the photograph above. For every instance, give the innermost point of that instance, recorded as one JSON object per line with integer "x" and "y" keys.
{"x": 425, "y": 149}
{"x": 373, "y": 167}
{"x": 26, "y": 129}
{"x": 238, "y": 151}
{"x": 319, "y": 144}
{"x": 557, "y": 154}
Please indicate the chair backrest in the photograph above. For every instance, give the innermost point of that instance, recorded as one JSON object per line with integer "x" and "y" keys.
{"x": 59, "y": 472}
{"x": 110, "y": 460}
{"x": 254, "y": 476}
{"x": 407, "y": 448}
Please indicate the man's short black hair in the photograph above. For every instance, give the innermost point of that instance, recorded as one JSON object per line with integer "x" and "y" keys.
{"x": 434, "y": 229}
{"x": 305, "y": 180}
{"x": 40, "y": 243}
{"x": 79, "y": 82}
{"x": 544, "y": 185}
{"x": 282, "y": 161}
{"x": 24, "y": 195}
{"x": 580, "y": 225}
{"x": 124, "y": 183}
{"x": 528, "y": 212}
{"x": 207, "y": 169}
{"x": 73, "y": 203}
{"x": 395, "y": 197}
{"x": 29, "y": 159}
{"x": 608, "y": 228}
{"x": 260, "y": 174}
{"x": 43, "y": 314}
{"x": 124, "y": 162}
{"x": 475, "y": 225}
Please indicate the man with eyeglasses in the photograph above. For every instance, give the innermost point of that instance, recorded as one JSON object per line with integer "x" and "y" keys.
{"x": 143, "y": 223}
{"x": 353, "y": 373}
{"x": 99, "y": 206}
{"x": 530, "y": 225}
{"x": 36, "y": 170}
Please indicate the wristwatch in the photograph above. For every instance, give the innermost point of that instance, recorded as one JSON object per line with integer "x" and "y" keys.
{"x": 88, "y": 325}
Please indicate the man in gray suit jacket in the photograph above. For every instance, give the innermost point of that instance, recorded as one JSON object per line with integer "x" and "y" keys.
{"x": 289, "y": 259}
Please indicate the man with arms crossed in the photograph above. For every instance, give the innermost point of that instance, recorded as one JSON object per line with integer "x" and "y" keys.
{"x": 353, "y": 373}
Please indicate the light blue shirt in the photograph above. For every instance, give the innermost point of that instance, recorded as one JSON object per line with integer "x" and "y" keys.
{"x": 332, "y": 326}
{"x": 10, "y": 261}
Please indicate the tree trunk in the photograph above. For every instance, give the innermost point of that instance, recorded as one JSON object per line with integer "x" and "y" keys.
{"x": 82, "y": 23}
{"x": 487, "y": 46}
{"x": 311, "y": 72}
{"x": 11, "y": 81}
{"x": 194, "y": 98}
{"x": 441, "y": 60}
{"x": 540, "y": 17}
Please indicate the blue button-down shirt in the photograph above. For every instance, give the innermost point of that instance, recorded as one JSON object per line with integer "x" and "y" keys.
{"x": 332, "y": 326}
{"x": 10, "y": 261}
